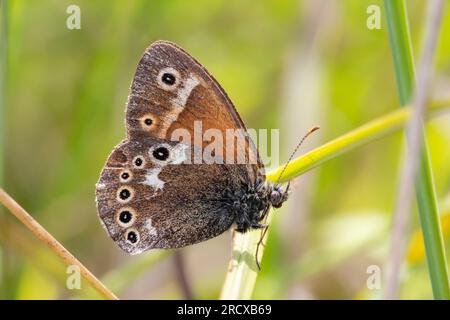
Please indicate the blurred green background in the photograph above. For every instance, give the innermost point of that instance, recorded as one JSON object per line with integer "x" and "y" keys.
{"x": 285, "y": 64}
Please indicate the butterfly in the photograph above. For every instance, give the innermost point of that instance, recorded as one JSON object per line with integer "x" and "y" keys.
{"x": 151, "y": 192}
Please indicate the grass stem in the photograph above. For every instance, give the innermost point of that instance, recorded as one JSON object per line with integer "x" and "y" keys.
{"x": 400, "y": 42}
{"x": 53, "y": 244}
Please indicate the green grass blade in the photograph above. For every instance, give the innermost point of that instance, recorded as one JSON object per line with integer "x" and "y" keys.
{"x": 431, "y": 230}
{"x": 366, "y": 133}
{"x": 400, "y": 43}
{"x": 242, "y": 271}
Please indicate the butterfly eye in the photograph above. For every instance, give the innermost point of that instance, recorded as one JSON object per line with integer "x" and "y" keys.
{"x": 161, "y": 153}
{"x": 125, "y": 176}
{"x": 132, "y": 236}
{"x": 168, "y": 79}
{"x": 138, "y": 162}
{"x": 124, "y": 194}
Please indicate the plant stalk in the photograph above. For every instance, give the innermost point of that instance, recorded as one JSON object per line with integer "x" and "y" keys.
{"x": 400, "y": 42}
{"x": 53, "y": 244}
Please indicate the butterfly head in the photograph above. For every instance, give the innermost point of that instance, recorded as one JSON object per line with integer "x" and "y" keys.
{"x": 277, "y": 195}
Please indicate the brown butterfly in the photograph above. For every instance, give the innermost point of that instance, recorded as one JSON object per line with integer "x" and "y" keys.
{"x": 151, "y": 192}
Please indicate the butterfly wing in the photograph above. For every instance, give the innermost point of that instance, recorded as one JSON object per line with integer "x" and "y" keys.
{"x": 149, "y": 194}
{"x": 195, "y": 97}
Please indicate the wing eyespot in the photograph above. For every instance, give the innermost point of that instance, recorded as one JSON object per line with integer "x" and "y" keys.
{"x": 125, "y": 217}
{"x": 138, "y": 162}
{"x": 132, "y": 236}
{"x": 161, "y": 153}
{"x": 125, "y": 176}
{"x": 148, "y": 122}
{"x": 168, "y": 79}
{"x": 125, "y": 194}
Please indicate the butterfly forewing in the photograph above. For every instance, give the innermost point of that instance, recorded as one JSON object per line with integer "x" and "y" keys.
{"x": 193, "y": 101}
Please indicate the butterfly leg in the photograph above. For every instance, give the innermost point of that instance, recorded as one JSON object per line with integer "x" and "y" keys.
{"x": 265, "y": 227}
{"x": 260, "y": 243}
{"x": 259, "y": 225}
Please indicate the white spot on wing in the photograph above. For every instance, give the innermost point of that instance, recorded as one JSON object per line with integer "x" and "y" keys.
{"x": 178, "y": 154}
{"x": 152, "y": 179}
{"x": 185, "y": 91}
{"x": 151, "y": 229}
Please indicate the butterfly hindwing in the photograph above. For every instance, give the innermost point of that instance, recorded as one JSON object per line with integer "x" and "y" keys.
{"x": 145, "y": 205}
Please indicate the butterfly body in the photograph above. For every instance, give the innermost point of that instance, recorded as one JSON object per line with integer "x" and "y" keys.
{"x": 250, "y": 203}
{"x": 152, "y": 193}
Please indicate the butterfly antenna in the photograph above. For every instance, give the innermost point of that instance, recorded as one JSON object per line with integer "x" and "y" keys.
{"x": 296, "y": 149}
